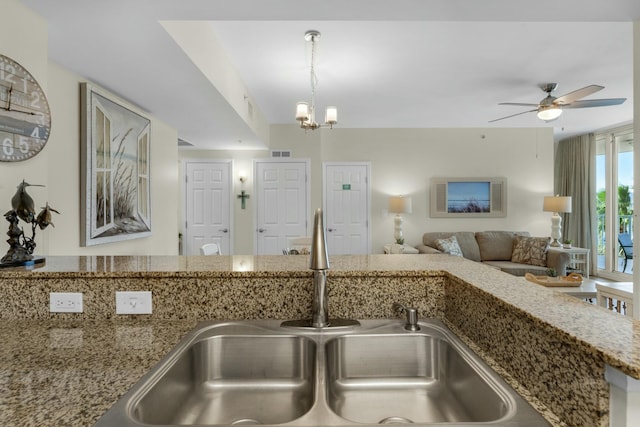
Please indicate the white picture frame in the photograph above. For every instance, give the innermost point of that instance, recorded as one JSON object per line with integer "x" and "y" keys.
{"x": 460, "y": 197}
{"x": 115, "y": 169}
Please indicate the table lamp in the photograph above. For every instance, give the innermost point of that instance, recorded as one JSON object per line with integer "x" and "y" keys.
{"x": 399, "y": 205}
{"x": 557, "y": 205}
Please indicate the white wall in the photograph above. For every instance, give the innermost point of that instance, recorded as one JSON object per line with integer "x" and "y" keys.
{"x": 23, "y": 37}
{"x": 403, "y": 162}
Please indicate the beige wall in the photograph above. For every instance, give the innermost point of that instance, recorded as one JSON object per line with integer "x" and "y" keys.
{"x": 24, "y": 38}
{"x": 403, "y": 161}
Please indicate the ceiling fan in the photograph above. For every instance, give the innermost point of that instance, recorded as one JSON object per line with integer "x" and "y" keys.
{"x": 550, "y": 108}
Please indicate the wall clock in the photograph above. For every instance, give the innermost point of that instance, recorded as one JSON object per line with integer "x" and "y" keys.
{"x": 25, "y": 118}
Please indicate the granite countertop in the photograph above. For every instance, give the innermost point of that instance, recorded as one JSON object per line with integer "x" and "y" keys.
{"x": 616, "y": 337}
{"x": 236, "y": 265}
{"x": 55, "y": 372}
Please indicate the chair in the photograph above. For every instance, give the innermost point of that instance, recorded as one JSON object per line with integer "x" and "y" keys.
{"x": 210, "y": 249}
{"x": 626, "y": 245}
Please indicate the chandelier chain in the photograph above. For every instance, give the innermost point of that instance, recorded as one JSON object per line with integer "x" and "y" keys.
{"x": 313, "y": 78}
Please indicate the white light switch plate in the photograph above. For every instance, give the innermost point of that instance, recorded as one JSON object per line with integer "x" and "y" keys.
{"x": 133, "y": 302}
{"x": 65, "y": 302}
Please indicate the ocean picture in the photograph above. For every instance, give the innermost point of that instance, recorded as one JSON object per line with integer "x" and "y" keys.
{"x": 469, "y": 197}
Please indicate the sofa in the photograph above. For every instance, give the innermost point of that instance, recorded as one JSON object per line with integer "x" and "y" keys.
{"x": 514, "y": 252}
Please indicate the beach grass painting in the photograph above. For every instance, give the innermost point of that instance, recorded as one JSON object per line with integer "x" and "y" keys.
{"x": 115, "y": 167}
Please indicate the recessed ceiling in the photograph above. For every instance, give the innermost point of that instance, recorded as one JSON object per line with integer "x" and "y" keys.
{"x": 383, "y": 63}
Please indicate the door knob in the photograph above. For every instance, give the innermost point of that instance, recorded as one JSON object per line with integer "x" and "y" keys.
{"x": 261, "y": 230}
{"x": 224, "y": 230}
{"x": 331, "y": 229}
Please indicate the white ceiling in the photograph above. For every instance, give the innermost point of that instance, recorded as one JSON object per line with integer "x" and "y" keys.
{"x": 383, "y": 63}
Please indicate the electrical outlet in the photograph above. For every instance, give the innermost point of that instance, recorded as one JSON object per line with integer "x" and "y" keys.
{"x": 65, "y": 302}
{"x": 133, "y": 302}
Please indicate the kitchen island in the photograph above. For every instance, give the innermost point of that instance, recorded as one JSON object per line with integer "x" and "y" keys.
{"x": 68, "y": 369}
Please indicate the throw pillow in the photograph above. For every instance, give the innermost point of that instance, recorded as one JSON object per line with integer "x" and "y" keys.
{"x": 495, "y": 245}
{"x": 530, "y": 250}
{"x": 449, "y": 246}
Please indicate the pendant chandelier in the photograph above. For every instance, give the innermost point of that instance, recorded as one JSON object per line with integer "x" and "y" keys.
{"x": 305, "y": 112}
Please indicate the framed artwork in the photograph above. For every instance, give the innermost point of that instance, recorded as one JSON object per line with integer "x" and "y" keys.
{"x": 468, "y": 197}
{"x": 115, "y": 174}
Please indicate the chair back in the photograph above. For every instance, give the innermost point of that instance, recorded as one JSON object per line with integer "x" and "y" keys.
{"x": 626, "y": 244}
{"x": 210, "y": 249}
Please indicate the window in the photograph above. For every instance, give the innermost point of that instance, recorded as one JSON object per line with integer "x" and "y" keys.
{"x": 102, "y": 173}
{"x": 614, "y": 204}
{"x": 143, "y": 177}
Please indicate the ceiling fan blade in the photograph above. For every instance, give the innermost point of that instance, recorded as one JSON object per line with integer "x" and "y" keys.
{"x": 577, "y": 94}
{"x": 519, "y": 104}
{"x": 513, "y": 115}
{"x": 587, "y": 103}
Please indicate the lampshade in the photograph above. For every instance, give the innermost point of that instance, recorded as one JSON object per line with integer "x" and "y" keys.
{"x": 557, "y": 204}
{"x": 550, "y": 113}
{"x": 331, "y": 115}
{"x": 400, "y": 204}
{"x": 302, "y": 111}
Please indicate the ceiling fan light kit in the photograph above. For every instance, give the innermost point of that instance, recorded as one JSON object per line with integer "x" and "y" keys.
{"x": 305, "y": 112}
{"x": 549, "y": 113}
{"x": 550, "y": 108}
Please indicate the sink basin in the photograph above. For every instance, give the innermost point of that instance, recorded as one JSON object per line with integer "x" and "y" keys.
{"x": 418, "y": 378}
{"x": 260, "y": 372}
{"x": 246, "y": 379}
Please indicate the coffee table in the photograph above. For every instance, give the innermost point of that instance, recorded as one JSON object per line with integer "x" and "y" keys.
{"x": 587, "y": 290}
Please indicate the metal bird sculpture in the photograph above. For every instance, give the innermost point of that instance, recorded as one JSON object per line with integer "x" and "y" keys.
{"x": 21, "y": 246}
{"x": 23, "y": 204}
{"x": 44, "y": 217}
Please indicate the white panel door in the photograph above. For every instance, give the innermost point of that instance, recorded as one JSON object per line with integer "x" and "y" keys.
{"x": 346, "y": 195}
{"x": 282, "y": 204}
{"x": 208, "y": 206}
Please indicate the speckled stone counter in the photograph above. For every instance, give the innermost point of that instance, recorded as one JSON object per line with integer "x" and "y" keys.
{"x": 67, "y": 369}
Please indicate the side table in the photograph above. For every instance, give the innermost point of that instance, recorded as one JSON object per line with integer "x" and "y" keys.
{"x": 394, "y": 248}
{"x": 621, "y": 292}
{"x": 579, "y": 259}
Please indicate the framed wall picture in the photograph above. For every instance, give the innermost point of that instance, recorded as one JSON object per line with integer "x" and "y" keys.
{"x": 115, "y": 169}
{"x": 468, "y": 197}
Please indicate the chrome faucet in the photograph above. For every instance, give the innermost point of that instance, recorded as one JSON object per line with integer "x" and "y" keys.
{"x": 412, "y": 316}
{"x": 319, "y": 263}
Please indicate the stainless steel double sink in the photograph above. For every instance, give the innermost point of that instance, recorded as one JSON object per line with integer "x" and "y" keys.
{"x": 261, "y": 373}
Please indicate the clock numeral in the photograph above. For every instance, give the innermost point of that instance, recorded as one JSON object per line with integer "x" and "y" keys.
{"x": 40, "y": 118}
{"x": 7, "y": 73}
{"x": 36, "y": 99}
{"x": 23, "y": 145}
{"x": 7, "y": 147}
{"x": 36, "y": 132}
